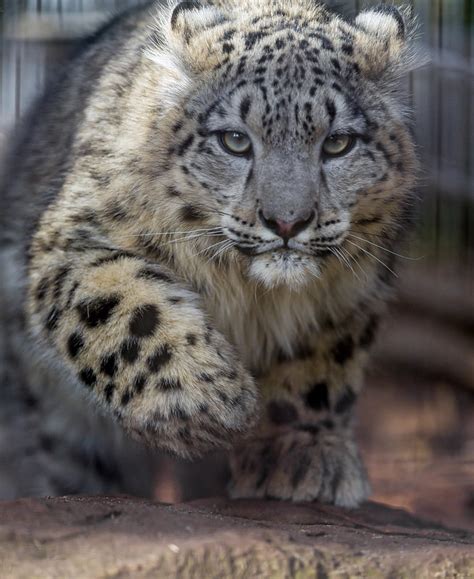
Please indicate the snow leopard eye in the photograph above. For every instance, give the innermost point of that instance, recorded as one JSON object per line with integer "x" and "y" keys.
{"x": 338, "y": 145}
{"x": 236, "y": 143}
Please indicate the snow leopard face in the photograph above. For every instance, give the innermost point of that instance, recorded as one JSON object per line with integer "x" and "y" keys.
{"x": 293, "y": 139}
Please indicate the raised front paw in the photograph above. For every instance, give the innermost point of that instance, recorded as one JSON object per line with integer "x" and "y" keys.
{"x": 193, "y": 393}
{"x": 139, "y": 343}
{"x": 301, "y": 466}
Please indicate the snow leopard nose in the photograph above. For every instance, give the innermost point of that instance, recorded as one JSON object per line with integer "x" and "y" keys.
{"x": 286, "y": 229}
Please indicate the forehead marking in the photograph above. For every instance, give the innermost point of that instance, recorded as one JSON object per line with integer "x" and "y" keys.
{"x": 245, "y": 108}
{"x": 331, "y": 110}
{"x": 292, "y": 66}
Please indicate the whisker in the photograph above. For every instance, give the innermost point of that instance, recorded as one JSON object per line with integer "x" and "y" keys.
{"x": 347, "y": 261}
{"x": 204, "y": 230}
{"x": 152, "y": 234}
{"x": 373, "y": 256}
{"x": 220, "y": 251}
{"x": 385, "y": 249}
{"x": 337, "y": 256}
{"x": 363, "y": 232}
{"x": 192, "y": 237}
{"x": 355, "y": 260}
{"x": 210, "y": 247}
{"x": 343, "y": 257}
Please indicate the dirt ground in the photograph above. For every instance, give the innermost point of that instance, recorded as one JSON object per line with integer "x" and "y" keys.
{"x": 130, "y": 538}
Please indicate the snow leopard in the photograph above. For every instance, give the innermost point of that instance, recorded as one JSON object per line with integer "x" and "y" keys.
{"x": 199, "y": 219}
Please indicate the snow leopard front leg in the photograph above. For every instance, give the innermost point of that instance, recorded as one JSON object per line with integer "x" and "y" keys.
{"x": 305, "y": 449}
{"x": 135, "y": 339}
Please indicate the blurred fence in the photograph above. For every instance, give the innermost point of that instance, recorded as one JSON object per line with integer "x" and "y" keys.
{"x": 37, "y": 34}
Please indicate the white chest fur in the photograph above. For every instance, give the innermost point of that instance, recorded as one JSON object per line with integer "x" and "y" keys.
{"x": 261, "y": 322}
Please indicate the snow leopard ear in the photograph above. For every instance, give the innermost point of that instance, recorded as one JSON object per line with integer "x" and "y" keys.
{"x": 384, "y": 37}
{"x": 178, "y": 16}
{"x": 179, "y": 61}
{"x": 192, "y": 16}
{"x": 384, "y": 21}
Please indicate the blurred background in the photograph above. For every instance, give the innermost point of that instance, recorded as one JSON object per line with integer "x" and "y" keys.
{"x": 416, "y": 417}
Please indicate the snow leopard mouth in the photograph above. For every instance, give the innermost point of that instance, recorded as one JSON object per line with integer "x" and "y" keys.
{"x": 285, "y": 251}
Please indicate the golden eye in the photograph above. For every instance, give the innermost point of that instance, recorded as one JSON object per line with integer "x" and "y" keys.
{"x": 236, "y": 143}
{"x": 338, "y": 145}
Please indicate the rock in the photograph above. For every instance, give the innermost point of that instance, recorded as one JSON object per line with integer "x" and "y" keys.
{"x": 123, "y": 537}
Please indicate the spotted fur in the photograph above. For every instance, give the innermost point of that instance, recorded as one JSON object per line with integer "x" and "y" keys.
{"x": 152, "y": 279}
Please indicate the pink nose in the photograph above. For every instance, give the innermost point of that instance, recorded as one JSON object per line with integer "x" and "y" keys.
{"x": 286, "y": 229}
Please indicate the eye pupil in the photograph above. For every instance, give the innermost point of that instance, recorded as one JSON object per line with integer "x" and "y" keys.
{"x": 236, "y": 143}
